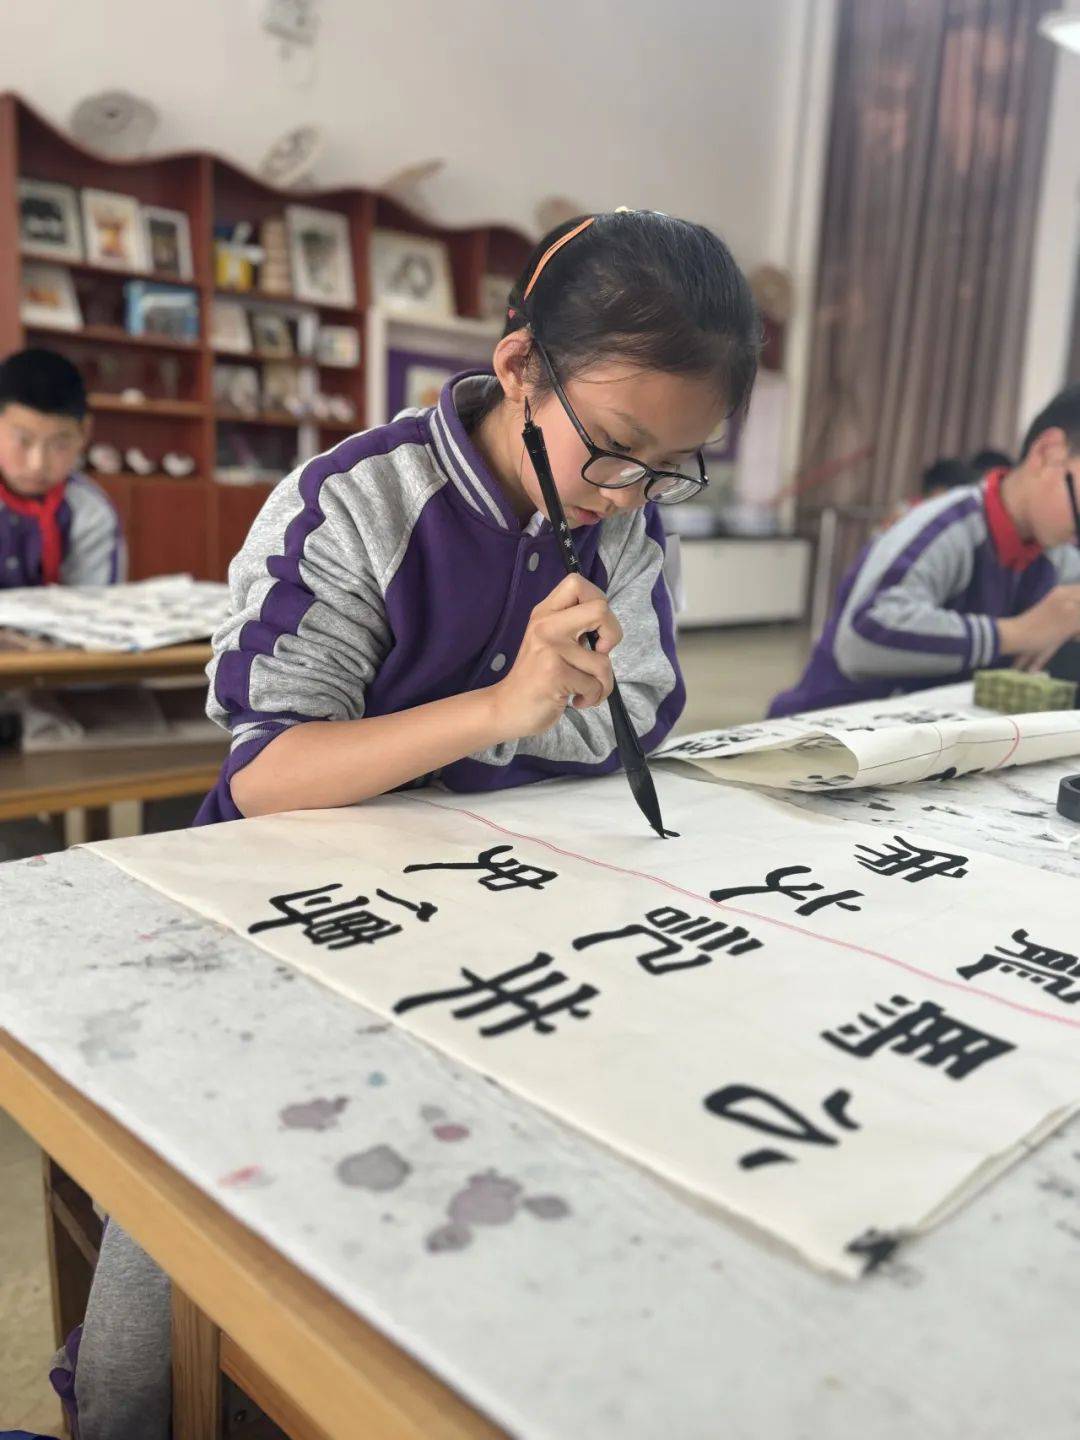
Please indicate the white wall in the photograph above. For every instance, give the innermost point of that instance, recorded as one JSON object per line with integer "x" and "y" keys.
{"x": 679, "y": 107}
{"x": 712, "y": 109}
{"x": 1057, "y": 242}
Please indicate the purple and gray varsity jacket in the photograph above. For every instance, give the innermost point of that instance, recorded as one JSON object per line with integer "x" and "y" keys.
{"x": 91, "y": 539}
{"x": 391, "y": 571}
{"x": 918, "y": 606}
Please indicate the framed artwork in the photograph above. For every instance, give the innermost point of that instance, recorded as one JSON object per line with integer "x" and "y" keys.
{"x": 271, "y": 334}
{"x": 338, "y": 346}
{"x": 48, "y": 297}
{"x": 113, "y": 231}
{"x": 236, "y": 389}
{"x": 411, "y": 273}
{"x": 167, "y": 242}
{"x": 414, "y": 380}
{"x": 229, "y": 329}
{"x": 423, "y": 384}
{"x": 171, "y": 311}
{"x": 321, "y": 256}
{"x": 49, "y": 220}
{"x": 281, "y": 389}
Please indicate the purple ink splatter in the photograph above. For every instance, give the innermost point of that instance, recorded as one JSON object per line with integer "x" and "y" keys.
{"x": 313, "y": 1114}
{"x": 451, "y": 1132}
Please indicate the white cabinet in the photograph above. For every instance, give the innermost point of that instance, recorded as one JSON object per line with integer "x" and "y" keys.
{"x": 740, "y": 581}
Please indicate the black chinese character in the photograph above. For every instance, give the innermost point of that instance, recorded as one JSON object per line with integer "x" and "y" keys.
{"x": 1050, "y": 969}
{"x": 774, "y": 885}
{"x": 791, "y": 1125}
{"x": 700, "y": 931}
{"x": 503, "y": 874}
{"x": 340, "y": 926}
{"x": 913, "y": 862}
{"x": 926, "y": 1032}
{"x": 714, "y": 741}
{"x": 510, "y": 989}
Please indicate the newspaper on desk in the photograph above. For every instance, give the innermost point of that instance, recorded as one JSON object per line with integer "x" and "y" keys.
{"x": 143, "y": 615}
{"x": 883, "y": 742}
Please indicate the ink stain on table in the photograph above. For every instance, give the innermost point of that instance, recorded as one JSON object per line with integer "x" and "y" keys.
{"x": 451, "y": 1132}
{"x": 318, "y": 1114}
{"x": 107, "y": 1036}
{"x": 380, "y": 1168}
{"x": 547, "y": 1207}
{"x": 489, "y": 1199}
{"x": 376, "y": 1078}
{"x": 248, "y": 1177}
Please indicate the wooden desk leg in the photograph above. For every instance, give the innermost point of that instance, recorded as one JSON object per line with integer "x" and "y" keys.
{"x": 196, "y": 1372}
{"x": 71, "y": 1264}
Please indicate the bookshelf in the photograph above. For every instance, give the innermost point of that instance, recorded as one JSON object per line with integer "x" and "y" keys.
{"x": 197, "y": 523}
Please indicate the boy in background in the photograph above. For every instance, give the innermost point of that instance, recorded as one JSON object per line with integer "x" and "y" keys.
{"x": 56, "y": 526}
{"x": 982, "y": 574}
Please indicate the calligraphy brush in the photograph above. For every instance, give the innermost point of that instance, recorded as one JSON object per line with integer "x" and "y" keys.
{"x": 1070, "y": 486}
{"x": 629, "y": 746}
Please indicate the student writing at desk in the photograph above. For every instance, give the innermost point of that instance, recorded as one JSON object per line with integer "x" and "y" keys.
{"x": 56, "y": 526}
{"x": 961, "y": 583}
{"x": 400, "y": 609}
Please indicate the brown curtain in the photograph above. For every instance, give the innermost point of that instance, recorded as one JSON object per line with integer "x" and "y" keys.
{"x": 935, "y": 155}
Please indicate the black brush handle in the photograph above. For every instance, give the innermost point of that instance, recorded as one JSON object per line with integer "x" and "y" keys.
{"x": 626, "y": 740}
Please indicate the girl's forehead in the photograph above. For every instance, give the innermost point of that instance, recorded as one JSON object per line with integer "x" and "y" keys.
{"x": 680, "y": 410}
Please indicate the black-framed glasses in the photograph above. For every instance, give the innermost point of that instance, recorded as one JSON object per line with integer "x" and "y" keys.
{"x": 608, "y": 470}
{"x": 1070, "y": 486}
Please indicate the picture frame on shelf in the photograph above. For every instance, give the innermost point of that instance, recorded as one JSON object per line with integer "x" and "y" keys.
{"x": 338, "y": 346}
{"x": 321, "y": 256}
{"x": 271, "y": 335}
{"x": 112, "y": 230}
{"x": 49, "y": 223}
{"x": 281, "y": 389}
{"x": 275, "y": 272}
{"x": 423, "y": 384}
{"x": 410, "y": 274}
{"x": 236, "y": 390}
{"x": 169, "y": 311}
{"x": 48, "y": 297}
{"x": 167, "y": 242}
{"x": 229, "y": 328}
{"x": 414, "y": 379}
{"x": 494, "y": 296}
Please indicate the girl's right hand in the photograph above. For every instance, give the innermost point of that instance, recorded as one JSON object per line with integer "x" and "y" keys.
{"x": 554, "y": 665}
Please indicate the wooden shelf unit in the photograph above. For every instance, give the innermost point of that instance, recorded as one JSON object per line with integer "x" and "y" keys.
{"x": 196, "y": 524}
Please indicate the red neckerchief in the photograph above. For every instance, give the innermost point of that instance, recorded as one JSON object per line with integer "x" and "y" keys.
{"x": 1013, "y": 552}
{"x": 43, "y": 510}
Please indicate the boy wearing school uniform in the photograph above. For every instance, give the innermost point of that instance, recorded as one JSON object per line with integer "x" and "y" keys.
{"x": 982, "y": 576}
{"x": 56, "y": 526}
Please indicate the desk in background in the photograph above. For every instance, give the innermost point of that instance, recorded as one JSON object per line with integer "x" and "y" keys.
{"x": 53, "y": 783}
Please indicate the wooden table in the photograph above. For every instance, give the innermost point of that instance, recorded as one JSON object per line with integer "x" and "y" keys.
{"x": 56, "y": 781}
{"x": 330, "y": 1366}
{"x": 39, "y": 666}
{"x": 640, "y": 1314}
{"x": 94, "y": 778}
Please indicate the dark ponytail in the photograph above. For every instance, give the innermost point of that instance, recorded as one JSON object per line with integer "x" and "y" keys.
{"x": 659, "y": 293}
